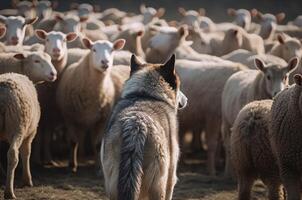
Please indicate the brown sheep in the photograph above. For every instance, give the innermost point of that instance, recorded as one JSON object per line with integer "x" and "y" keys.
{"x": 251, "y": 153}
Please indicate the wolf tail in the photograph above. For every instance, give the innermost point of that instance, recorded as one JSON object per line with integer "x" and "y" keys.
{"x": 134, "y": 134}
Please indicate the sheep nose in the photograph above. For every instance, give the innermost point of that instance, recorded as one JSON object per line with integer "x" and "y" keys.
{"x": 105, "y": 62}
{"x": 14, "y": 39}
{"x": 53, "y": 74}
{"x": 56, "y": 50}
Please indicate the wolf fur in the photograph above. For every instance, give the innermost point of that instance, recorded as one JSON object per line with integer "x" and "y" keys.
{"x": 140, "y": 149}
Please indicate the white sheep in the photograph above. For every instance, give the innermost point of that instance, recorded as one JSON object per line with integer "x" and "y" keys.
{"x": 15, "y": 28}
{"x": 87, "y": 91}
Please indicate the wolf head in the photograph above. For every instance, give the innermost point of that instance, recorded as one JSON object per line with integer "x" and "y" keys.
{"x": 158, "y": 81}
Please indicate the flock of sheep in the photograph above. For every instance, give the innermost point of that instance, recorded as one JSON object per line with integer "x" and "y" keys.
{"x": 225, "y": 69}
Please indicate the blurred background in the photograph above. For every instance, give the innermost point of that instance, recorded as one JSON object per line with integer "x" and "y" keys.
{"x": 215, "y": 9}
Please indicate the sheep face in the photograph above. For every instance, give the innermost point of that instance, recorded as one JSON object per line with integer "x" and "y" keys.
{"x": 15, "y": 29}
{"x": 70, "y": 23}
{"x": 38, "y": 66}
{"x": 26, "y": 9}
{"x": 84, "y": 10}
{"x": 166, "y": 41}
{"x": 43, "y": 9}
{"x": 56, "y": 42}
{"x": 242, "y": 17}
{"x": 290, "y": 47}
{"x": 276, "y": 77}
{"x": 102, "y": 52}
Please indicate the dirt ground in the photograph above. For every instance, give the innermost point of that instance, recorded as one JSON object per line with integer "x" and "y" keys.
{"x": 58, "y": 183}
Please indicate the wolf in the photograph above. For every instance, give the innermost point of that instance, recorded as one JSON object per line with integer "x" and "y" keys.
{"x": 140, "y": 150}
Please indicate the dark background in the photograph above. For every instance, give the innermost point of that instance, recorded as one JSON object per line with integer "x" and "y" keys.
{"x": 216, "y": 9}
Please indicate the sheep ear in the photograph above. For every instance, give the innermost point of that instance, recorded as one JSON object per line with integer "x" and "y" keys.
{"x": 119, "y": 44}
{"x": 292, "y": 64}
{"x": 231, "y": 12}
{"x": 142, "y": 8}
{"x": 71, "y": 36}
{"x": 74, "y": 6}
{"x": 2, "y": 19}
{"x": 281, "y": 38}
{"x": 160, "y": 12}
{"x": 31, "y": 21}
{"x": 19, "y": 56}
{"x": 54, "y": 4}
{"x": 259, "y": 64}
{"x": 135, "y": 64}
{"x": 254, "y": 12}
{"x": 83, "y": 19}
{"x": 140, "y": 33}
{"x": 298, "y": 79}
{"x": 2, "y": 31}
{"x": 87, "y": 43}
{"x": 182, "y": 11}
{"x": 280, "y": 16}
{"x": 202, "y": 12}
{"x": 96, "y": 8}
{"x": 183, "y": 31}
{"x": 41, "y": 34}
{"x": 59, "y": 17}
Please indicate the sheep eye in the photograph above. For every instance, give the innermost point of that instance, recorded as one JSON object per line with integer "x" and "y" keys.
{"x": 37, "y": 61}
{"x": 47, "y": 40}
{"x": 268, "y": 77}
{"x": 93, "y": 50}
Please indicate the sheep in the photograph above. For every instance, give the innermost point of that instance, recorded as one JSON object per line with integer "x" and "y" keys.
{"x": 285, "y": 131}
{"x": 133, "y": 37}
{"x": 249, "y": 85}
{"x": 72, "y": 23}
{"x": 169, "y": 40}
{"x": 247, "y": 58}
{"x": 87, "y": 91}
{"x": 24, "y": 62}
{"x": 243, "y": 17}
{"x": 287, "y": 47}
{"x": 148, "y": 15}
{"x": 15, "y": 49}
{"x": 251, "y": 152}
{"x": 20, "y": 114}
{"x": 298, "y": 21}
{"x": 268, "y": 24}
{"x": 56, "y": 47}
{"x": 204, "y": 81}
{"x": 236, "y": 38}
{"x": 25, "y": 9}
{"x": 15, "y": 28}
{"x": 44, "y": 9}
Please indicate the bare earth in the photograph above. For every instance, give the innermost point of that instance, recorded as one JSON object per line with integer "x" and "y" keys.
{"x": 58, "y": 183}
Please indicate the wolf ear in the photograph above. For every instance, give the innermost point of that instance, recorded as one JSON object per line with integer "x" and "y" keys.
{"x": 169, "y": 66}
{"x": 168, "y": 72}
{"x": 135, "y": 64}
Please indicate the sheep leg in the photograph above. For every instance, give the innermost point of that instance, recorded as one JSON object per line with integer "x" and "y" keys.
{"x": 245, "y": 184}
{"x": 196, "y": 145}
{"x": 12, "y": 161}
{"x": 292, "y": 186}
{"x": 97, "y": 138}
{"x": 212, "y": 136}
{"x": 73, "y": 134}
{"x": 275, "y": 191}
{"x": 25, "y": 151}
{"x": 46, "y": 145}
{"x": 37, "y": 146}
{"x": 226, "y": 134}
